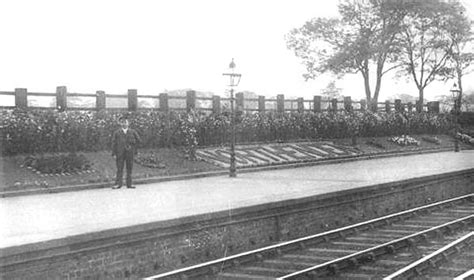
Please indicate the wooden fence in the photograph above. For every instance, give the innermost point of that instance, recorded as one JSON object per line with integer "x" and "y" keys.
{"x": 193, "y": 102}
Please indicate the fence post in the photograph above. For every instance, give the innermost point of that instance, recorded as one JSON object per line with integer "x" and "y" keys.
{"x": 21, "y": 98}
{"x": 398, "y": 105}
{"x": 61, "y": 98}
{"x": 374, "y": 107}
{"x": 317, "y": 103}
{"x": 190, "y": 100}
{"x": 387, "y": 106}
{"x": 334, "y": 104}
{"x": 435, "y": 105}
{"x": 132, "y": 99}
{"x": 280, "y": 103}
{"x": 429, "y": 107}
{"x": 347, "y": 103}
{"x": 363, "y": 105}
{"x": 216, "y": 104}
{"x": 300, "y": 105}
{"x": 410, "y": 107}
{"x": 239, "y": 102}
{"x": 261, "y": 104}
{"x": 100, "y": 100}
{"x": 163, "y": 98}
{"x": 419, "y": 106}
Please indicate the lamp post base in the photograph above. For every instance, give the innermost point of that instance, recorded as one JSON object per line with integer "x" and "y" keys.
{"x": 232, "y": 169}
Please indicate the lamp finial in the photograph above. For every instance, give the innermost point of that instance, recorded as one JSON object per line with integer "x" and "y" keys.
{"x": 232, "y": 64}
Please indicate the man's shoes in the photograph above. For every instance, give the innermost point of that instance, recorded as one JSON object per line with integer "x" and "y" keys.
{"x": 131, "y": 187}
{"x": 116, "y": 187}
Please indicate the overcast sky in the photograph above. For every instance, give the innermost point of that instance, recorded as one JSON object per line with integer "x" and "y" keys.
{"x": 158, "y": 45}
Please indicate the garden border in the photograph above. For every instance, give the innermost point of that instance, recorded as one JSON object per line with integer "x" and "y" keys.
{"x": 223, "y": 172}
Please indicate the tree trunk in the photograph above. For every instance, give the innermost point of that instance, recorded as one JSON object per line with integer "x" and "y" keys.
{"x": 367, "y": 87}
{"x": 377, "y": 88}
{"x": 419, "y": 105}
{"x": 368, "y": 94}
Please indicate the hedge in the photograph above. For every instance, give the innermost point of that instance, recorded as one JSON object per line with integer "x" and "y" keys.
{"x": 41, "y": 131}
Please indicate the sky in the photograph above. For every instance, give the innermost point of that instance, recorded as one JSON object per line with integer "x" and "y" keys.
{"x": 159, "y": 45}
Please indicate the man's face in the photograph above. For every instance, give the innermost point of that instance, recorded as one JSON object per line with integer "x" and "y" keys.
{"x": 124, "y": 124}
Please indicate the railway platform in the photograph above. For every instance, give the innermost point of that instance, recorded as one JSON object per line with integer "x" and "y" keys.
{"x": 38, "y": 218}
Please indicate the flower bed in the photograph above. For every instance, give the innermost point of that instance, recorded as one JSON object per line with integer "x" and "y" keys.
{"x": 373, "y": 142}
{"x": 405, "y": 140}
{"x": 150, "y": 159}
{"x": 431, "y": 139}
{"x": 465, "y": 138}
{"x": 57, "y": 164}
{"x": 467, "y": 131}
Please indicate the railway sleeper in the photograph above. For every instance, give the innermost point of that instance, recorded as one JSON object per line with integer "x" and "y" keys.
{"x": 287, "y": 264}
{"x": 264, "y": 271}
{"x": 355, "y": 244}
{"x": 307, "y": 258}
{"x": 410, "y": 227}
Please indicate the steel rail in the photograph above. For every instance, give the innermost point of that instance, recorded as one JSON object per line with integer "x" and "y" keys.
{"x": 212, "y": 266}
{"x": 465, "y": 275}
{"x": 333, "y": 265}
{"x": 419, "y": 265}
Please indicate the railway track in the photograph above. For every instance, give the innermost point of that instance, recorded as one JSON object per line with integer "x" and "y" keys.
{"x": 453, "y": 261}
{"x": 375, "y": 248}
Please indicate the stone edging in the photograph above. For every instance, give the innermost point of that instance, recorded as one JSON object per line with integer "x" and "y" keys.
{"x": 223, "y": 172}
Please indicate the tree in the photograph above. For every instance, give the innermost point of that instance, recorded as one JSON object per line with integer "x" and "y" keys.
{"x": 363, "y": 37}
{"x": 427, "y": 41}
{"x": 460, "y": 53}
{"x": 331, "y": 91}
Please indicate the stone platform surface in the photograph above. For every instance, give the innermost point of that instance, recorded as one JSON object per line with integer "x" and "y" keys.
{"x": 37, "y": 218}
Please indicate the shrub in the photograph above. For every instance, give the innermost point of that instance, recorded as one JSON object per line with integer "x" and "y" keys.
{"x": 405, "y": 140}
{"x": 149, "y": 159}
{"x": 431, "y": 139}
{"x": 375, "y": 143}
{"x": 465, "y": 138}
{"x": 41, "y": 131}
{"x": 57, "y": 164}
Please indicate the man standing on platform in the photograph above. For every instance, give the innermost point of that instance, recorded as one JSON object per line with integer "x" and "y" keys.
{"x": 124, "y": 146}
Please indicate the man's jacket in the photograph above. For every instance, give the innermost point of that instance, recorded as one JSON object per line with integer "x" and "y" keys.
{"x": 122, "y": 142}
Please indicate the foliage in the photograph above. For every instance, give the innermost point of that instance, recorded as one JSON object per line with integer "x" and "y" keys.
{"x": 331, "y": 91}
{"x": 39, "y": 131}
{"x": 187, "y": 132}
{"x": 460, "y": 51}
{"x": 465, "y": 138}
{"x": 149, "y": 159}
{"x": 375, "y": 143}
{"x": 431, "y": 139}
{"x": 57, "y": 164}
{"x": 364, "y": 36}
{"x": 431, "y": 30}
{"x": 469, "y": 132}
{"x": 405, "y": 140}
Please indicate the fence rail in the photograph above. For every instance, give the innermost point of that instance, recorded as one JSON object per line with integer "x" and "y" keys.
{"x": 217, "y": 104}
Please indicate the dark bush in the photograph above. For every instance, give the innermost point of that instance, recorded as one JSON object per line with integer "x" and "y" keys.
{"x": 40, "y": 131}
{"x": 58, "y": 163}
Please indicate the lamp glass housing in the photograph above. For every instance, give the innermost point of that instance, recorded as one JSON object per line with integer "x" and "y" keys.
{"x": 234, "y": 77}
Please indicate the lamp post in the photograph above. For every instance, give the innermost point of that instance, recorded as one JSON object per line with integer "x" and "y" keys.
{"x": 234, "y": 81}
{"x": 456, "y": 92}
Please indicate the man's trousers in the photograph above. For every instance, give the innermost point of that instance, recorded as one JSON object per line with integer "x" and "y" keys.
{"x": 124, "y": 158}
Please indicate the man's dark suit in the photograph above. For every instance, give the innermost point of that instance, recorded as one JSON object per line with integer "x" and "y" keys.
{"x": 124, "y": 147}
